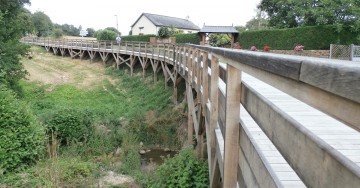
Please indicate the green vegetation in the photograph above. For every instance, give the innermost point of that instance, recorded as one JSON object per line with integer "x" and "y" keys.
{"x": 289, "y": 13}
{"x": 184, "y": 170}
{"x": 13, "y": 19}
{"x": 312, "y": 37}
{"x": 137, "y": 38}
{"x": 21, "y": 136}
{"x": 192, "y": 38}
{"x": 105, "y": 34}
{"x": 85, "y": 133}
{"x": 42, "y": 23}
{"x": 219, "y": 40}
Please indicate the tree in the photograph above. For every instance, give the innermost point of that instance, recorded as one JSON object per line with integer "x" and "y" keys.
{"x": 69, "y": 30}
{"x": 91, "y": 32}
{"x": 258, "y": 22}
{"x": 58, "y": 33}
{"x": 106, "y": 35}
{"x": 240, "y": 28}
{"x": 42, "y": 24}
{"x": 113, "y": 29}
{"x": 290, "y": 13}
{"x": 12, "y": 28}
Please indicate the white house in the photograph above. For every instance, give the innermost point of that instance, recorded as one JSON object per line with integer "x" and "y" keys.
{"x": 151, "y": 23}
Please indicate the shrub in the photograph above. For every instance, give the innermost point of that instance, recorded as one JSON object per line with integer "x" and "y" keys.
{"x": 164, "y": 32}
{"x": 184, "y": 170}
{"x": 106, "y": 35}
{"x": 70, "y": 125}
{"x": 21, "y": 136}
{"x": 219, "y": 40}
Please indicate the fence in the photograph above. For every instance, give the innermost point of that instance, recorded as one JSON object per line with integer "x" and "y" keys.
{"x": 345, "y": 52}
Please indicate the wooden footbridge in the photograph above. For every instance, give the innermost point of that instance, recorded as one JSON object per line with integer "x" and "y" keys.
{"x": 267, "y": 120}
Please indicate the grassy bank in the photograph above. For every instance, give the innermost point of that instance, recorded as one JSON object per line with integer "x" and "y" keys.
{"x": 94, "y": 119}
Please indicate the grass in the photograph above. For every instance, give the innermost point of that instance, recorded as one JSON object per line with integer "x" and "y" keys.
{"x": 125, "y": 111}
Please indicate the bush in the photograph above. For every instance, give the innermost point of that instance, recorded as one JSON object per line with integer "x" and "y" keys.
{"x": 21, "y": 136}
{"x": 106, "y": 35}
{"x": 219, "y": 40}
{"x": 313, "y": 37}
{"x": 164, "y": 32}
{"x": 70, "y": 125}
{"x": 184, "y": 170}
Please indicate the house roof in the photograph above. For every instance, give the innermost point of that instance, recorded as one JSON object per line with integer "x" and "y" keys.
{"x": 168, "y": 21}
{"x": 218, "y": 29}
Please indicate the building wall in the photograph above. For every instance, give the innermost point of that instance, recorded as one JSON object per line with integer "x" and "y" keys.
{"x": 186, "y": 31}
{"x": 148, "y": 27}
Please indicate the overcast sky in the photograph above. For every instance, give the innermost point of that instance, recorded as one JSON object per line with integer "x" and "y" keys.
{"x": 100, "y": 14}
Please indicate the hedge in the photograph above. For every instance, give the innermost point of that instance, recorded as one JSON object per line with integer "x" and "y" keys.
{"x": 312, "y": 37}
{"x": 137, "y": 38}
{"x": 193, "y": 38}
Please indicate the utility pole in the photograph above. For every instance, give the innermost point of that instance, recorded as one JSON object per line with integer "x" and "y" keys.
{"x": 117, "y": 23}
{"x": 118, "y": 39}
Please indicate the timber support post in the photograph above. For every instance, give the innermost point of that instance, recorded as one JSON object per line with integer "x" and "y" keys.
{"x": 232, "y": 122}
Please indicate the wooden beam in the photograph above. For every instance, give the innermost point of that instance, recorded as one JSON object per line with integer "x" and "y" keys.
{"x": 190, "y": 101}
{"x": 213, "y": 112}
{"x": 190, "y": 122}
{"x": 232, "y": 120}
{"x": 205, "y": 82}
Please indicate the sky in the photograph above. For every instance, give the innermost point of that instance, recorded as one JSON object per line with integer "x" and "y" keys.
{"x": 99, "y": 14}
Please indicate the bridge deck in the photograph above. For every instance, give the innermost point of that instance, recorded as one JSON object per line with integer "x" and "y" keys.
{"x": 338, "y": 135}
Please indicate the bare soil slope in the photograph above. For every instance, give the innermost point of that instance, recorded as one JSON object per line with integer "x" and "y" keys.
{"x": 46, "y": 68}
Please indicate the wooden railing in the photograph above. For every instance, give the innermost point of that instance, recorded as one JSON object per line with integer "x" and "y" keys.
{"x": 214, "y": 78}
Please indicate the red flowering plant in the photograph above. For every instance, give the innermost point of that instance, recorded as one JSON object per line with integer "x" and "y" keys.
{"x": 266, "y": 48}
{"x": 299, "y": 48}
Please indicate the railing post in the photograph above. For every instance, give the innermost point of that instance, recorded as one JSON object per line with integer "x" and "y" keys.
{"x": 133, "y": 48}
{"x": 232, "y": 123}
{"x": 351, "y": 52}
{"x": 205, "y": 83}
{"x": 214, "y": 114}
{"x": 189, "y": 66}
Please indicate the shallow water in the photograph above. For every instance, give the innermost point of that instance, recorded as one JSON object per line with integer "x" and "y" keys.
{"x": 155, "y": 156}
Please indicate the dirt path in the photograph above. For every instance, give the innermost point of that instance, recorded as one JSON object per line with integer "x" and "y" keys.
{"x": 46, "y": 68}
